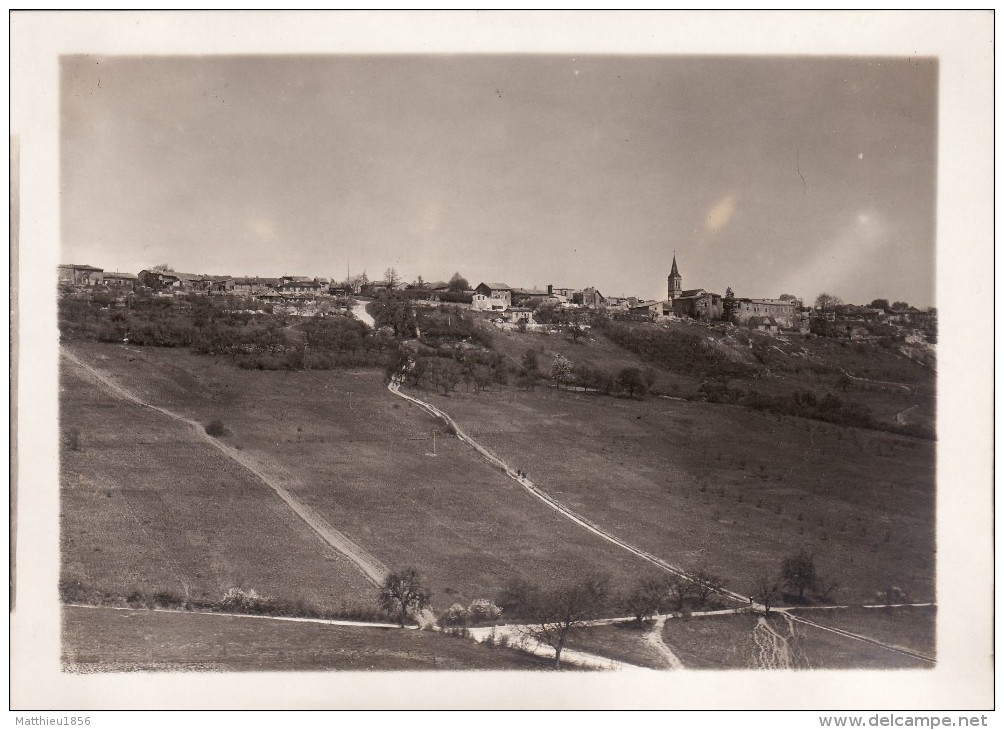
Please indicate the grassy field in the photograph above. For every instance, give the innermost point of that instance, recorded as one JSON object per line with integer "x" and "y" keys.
{"x": 358, "y": 455}
{"x": 148, "y": 507}
{"x": 912, "y": 628}
{"x": 622, "y": 641}
{"x": 727, "y": 642}
{"x": 730, "y": 489}
{"x": 108, "y": 640}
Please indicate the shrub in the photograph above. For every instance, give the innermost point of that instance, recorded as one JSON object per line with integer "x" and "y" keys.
{"x": 239, "y": 600}
{"x": 456, "y": 615}
{"x": 216, "y": 428}
{"x": 482, "y": 610}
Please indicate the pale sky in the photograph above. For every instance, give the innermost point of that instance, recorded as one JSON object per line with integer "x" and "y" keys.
{"x": 769, "y": 175}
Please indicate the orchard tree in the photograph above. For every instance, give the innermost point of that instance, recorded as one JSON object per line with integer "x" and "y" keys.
{"x": 529, "y": 362}
{"x": 632, "y": 380}
{"x": 562, "y": 371}
{"x": 392, "y": 310}
{"x": 799, "y": 572}
{"x": 403, "y": 593}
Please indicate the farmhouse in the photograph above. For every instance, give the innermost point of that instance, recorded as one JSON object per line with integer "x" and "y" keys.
{"x": 119, "y": 280}
{"x": 763, "y": 324}
{"x": 157, "y": 279}
{"x": 589, "y": 297}
{"x": 529, "y": 297}
{"x": 494, "y": 297}
{"x": 80, "y": 274}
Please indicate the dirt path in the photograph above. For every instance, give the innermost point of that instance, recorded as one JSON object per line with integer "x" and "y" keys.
{"x": 297, "y": 619}
{"x": 528, "y": 485}
{"x": 655, "y": 640}
{"x": 859, "y": 637}
{"x": 891, "y": 384}
{"x": 516, "y": 637}
{"x": 360, "y": 313}
{"x": 373, "y": 569}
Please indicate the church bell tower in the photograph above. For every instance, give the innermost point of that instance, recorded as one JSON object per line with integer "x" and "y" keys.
{"x": 675, "y": 281}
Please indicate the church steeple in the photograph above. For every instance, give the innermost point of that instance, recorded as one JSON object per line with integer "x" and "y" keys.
{"x": 675, "y": 280}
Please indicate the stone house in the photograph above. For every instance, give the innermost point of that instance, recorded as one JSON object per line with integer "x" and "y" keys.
{"x": 492, "y": 297}
{"x": 80, "y": 274}
{"x": 119, "y": 280}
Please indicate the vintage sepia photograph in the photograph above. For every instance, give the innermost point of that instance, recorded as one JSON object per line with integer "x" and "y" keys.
{"x": 542, "y": 363}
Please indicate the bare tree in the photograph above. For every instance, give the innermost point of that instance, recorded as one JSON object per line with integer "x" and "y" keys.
{"x": 766, "y": 592}
{"x": 681, "y": 588}
{"x": 554, "y": 614}
{"x": 403, "y": 593}
{"x": 392, "y": 278}
{"x": 648, "y": 597}
{"x": 705, "y": 583}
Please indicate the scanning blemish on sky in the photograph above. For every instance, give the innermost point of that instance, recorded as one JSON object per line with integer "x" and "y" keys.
{"x": 721, "y": 213}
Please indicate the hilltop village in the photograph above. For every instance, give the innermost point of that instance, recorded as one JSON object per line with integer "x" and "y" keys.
{"x": 481, "y": 452}
{"x": 530, "y": 308}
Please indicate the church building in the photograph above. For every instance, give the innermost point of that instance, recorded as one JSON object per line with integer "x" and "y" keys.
{"x": 704, "y": 305}
{"x": 693, "y": 303}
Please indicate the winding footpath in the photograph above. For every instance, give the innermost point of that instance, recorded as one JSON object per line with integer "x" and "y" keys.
{"x": 371, "y": 568}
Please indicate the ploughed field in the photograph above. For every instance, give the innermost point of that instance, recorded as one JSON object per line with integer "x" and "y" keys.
{"x": 181, "y": 516}
{"x": 722, "y": 487}
{"x": 103, "y": 639}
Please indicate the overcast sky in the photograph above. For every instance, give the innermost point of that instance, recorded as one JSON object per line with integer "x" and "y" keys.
{"x": 769, "y": 175}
